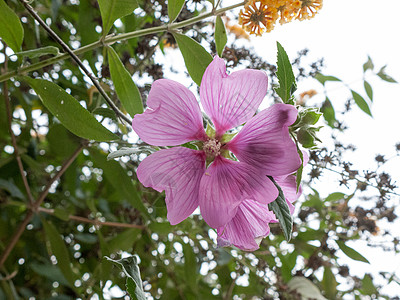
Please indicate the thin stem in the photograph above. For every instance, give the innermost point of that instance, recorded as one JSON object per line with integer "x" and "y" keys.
{"x": 94, "y": 222}
{"x": 13, "y": 139}
{"x": 116, "y": 38}
{"x": 77, "y": 60}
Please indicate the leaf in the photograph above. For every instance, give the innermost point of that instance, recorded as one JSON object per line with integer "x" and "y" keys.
{"x": 125, "y": 151}
{"x": 131, "y": 269}
{"x": 9, "y": 186}
{"x": 190, "y": 266}
{"x": 329, "y": 112}
{"x": 350, "y": 252}
{"x": 282, "y": 212}
{"x": 368, "y": 287}
{"x": 329, "y": 283}
{"x": 126, "y": 89}
{"x": 174, "y": 8}
{"x": 322, "y": 78}
{"x": 220, "y": 35}
{"x": 306, "y": 288}
{"x": 111, "y": 10}
{"x": 382, "y": 74}
{"x": 287, "y": 82}
{"x": 368, "y": 90}
{"x": 361, "y": 103}
{"x": 39, "y": 52}
{"x": 369, "y": 65}
{"x": 196, "y": 57}
{"x": 335, "y": 197}
{"x": 60, "y": 251}
{"x": 11, "y": 30}
{"x": 69, "y": 112}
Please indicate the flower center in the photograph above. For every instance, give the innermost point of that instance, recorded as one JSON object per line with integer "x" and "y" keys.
{"x": 212, "y": 148}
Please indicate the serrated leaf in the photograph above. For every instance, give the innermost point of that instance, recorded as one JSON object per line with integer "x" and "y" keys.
{"x": 281, "y": 210}
{"x": 111, "y": 10}
{"x": 287, "y": 82}
{"x": 368, "y": 90}
{"x": 126, "y": 89}
{"x": 11, "y": 30}
{"x": 220, "y": 35}
{"x": 329, "y": 283}
{"x": 174, "y": 8}
{"x": 131, "y": 269}
{"x": 49, "y": 50}
{"x": 350, "y": 252}
{"x": 361, "y": 103}
{"x": 125, "y": 151}
{"x": 328, "y": 112}
{"x": 60, "y": 251}
{"x": 306, "y": 288}
{"x": 382, "y": 74}
{"x": 369, "y": 65}
{"x": 322, "y": 78}
{"x": 196, "y": 57}
{"x": 69, "y": 112}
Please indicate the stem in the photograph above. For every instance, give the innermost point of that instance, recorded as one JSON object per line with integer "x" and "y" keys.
{"x": 116, "y": 38}
{"x": 94, "y": 222}
{"x": 77, "y": 60}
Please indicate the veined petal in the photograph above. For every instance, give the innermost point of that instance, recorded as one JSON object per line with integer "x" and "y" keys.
{"x": 173, "y": 116}
{"x": 231, "y": 100}
{"x": 178, "y": 172}
{"x": 226, "y": 184}
{"x": 248, "y": 226}
{"x": 264, "y": 141}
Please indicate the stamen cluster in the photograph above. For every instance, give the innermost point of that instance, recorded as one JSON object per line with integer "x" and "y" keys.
{"x": 259, "y": 16}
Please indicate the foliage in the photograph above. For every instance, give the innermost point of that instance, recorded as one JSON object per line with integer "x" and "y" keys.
{"x": 64, "y": 206}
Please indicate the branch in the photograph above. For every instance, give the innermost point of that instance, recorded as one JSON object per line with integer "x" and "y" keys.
{"x": 77, "y": 60}
{"x": 110, "y": 39}
{"x": 94, "y": 222}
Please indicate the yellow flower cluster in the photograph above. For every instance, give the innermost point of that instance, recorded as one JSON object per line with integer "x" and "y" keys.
{"x": 261, "y": 15}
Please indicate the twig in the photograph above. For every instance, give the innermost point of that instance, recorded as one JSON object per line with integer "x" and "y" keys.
{"x": 77, "y": 60}
{"x": 94, "y": 222}
{"x": 13, "y": 139}
{"x": 34, "y": 208}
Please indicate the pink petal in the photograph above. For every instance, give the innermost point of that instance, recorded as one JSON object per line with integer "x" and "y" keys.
{"x": 172, "y": 117}
{"x": 248, "y": 226}
{"x": 226, "y": 184}
{"x": 178, "y": 171}
{"x": 264, "y": 141}
{"x": 231, "y": 100}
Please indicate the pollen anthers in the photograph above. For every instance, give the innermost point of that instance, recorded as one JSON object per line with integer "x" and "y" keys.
{"x": 212, "y": 148}
{"x": 259, "y": 16}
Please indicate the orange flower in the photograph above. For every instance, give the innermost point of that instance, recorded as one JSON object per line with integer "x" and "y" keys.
{"x": 309, "y": 9}
{"x": 257, "y": 17}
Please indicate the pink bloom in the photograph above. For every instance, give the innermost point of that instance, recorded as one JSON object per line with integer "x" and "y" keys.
{"x": 263, "y": 146}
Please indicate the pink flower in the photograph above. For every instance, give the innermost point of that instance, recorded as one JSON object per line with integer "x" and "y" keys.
{"x": 263, "y": 146}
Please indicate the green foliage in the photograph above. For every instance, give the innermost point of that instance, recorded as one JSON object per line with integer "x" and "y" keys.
{"x": 38, "y": 52}
{"x": 287, "y": 82}
{"x": 328, "y": 112}
{"x": 350, "y": 252}
{"x": 220, "y": 35}
{"x": 174, "y": 8}
{"x": 196, "y": 57}
{"x": 361, "y": 103}
{"x": 11, "y": 30}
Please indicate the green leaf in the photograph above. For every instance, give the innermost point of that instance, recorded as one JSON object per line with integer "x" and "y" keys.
{"x": 306, "y": 288}
{"x": 174, "y": 8}
{"x": 125, "y": 151}
{"x": 69, "y": 112}
{"x": 335, "y": 197}
{"x": 368, "y": 287}
{"x": 350, "y": 252}
{"x": 111, "y": 10}
{"x": 362, "y": 104}
{"x": 368, "y": 90}
{"x": 60, "y": 251}
{"x": 329, "y": 283}
{"x": 369, "y": 65}
{"x": 11, "y": 30}
{"x": 220, "y": 35}
{"x": 287, "y": 82}
{"x": 9, "y": 186}
{"x": 190, "y": 266}
{"x": 382, "y": 74}
{"x": 196, "y": 57}
{"x": 282, "y": 212}
{"x": 131, "y": 269}
{"x": 39, "y": 52}
{"x": 61, "y": 213}
{"x": 329, "y": 112}
{"x": 322, "y": 78}
{"x": 126, "y": 89}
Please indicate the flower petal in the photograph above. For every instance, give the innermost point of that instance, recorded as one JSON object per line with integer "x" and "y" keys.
{"x": 226, "y": 184}
{"x": 231, "y": 100}
{"x": 173, "y": 116}
{"x": 248, "y": 226}
{"x": 264, "y": 141}
{"x": 178, "y": 171}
